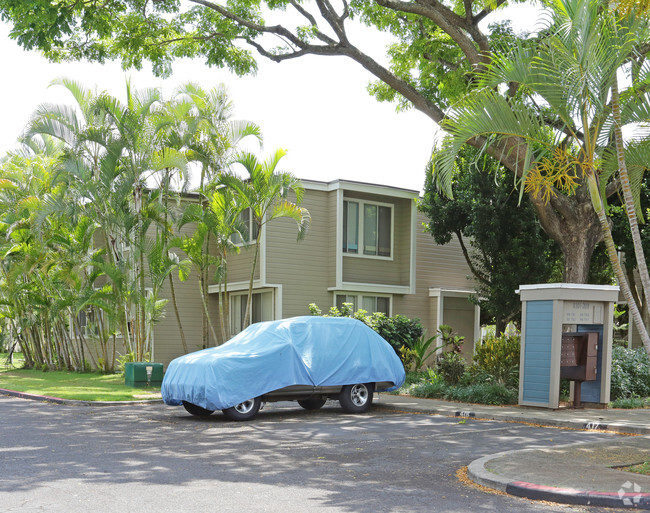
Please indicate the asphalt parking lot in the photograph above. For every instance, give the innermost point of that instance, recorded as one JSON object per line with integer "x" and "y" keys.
{"x": 59, "y": 458}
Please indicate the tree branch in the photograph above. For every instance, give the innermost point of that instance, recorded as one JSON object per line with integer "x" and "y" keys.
{"x": 477, "y": 274}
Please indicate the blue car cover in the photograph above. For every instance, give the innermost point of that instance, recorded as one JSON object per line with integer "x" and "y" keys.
{"x": 267, "y": 356}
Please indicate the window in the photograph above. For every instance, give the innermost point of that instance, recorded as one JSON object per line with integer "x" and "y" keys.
{"x": 261, "y": 309}
{"x": 375, "y": 224}
{"x": 370, "y": 304}
{"x": 249, "y": 228}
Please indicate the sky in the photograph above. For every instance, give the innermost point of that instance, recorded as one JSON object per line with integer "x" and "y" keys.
{"x": 317, "y": 108}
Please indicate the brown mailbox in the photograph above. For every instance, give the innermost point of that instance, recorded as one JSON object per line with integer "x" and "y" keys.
{"x": 579, "y": 359}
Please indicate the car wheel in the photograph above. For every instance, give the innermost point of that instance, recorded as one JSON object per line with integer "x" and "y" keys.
{"x": 312, "y": 404}
{"x": 356, "y": 398}
{"x": 196, "y": 410}
{"x": 245, "y": 410}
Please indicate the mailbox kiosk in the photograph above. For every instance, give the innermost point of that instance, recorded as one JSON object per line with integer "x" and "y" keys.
{"x": 566, "y": 332}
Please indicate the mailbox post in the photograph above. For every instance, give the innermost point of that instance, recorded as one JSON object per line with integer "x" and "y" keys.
{"x": 566, "y": 332}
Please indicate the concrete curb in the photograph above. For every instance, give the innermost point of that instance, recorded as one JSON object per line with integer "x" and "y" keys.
{"x": 478, "y": 473}
{"x": 571, "y": 424}
{"x": 74, "y": 402}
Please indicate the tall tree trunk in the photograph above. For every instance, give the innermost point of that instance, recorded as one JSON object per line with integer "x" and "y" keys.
{"x": 573, "y": 224}
{"x": 629, "y": 201}
{"x": 204, "y": 300}
{"x": 249, "y": 300}
{"x": 634, "y": 312}
{"x": 177, "y": 313}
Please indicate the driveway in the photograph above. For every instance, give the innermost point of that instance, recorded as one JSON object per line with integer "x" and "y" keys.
{"x": 74, "y": 459}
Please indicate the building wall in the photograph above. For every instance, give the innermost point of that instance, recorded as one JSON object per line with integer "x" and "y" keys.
{"x": 436, "y": 267}
{"x": 240, "y": 264}
{"x": 303, "y": 268}
{"x": 300, "y": 273}
{"x": 167, "y": 339}
{"x": 459, "y": 314}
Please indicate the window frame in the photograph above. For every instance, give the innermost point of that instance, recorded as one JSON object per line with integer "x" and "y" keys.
{"x": 236, "y": 328}
{"x": 251, "y": 228}
{"x": 362, "y": 203}
{"x": 359, "y": 300}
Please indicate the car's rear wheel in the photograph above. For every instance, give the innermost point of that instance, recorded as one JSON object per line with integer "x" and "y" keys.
{"x": 196, "y": 410}
{"x": 312, "y": 403}
{"x": 356, "y": 398}
{"x": 246, "y": 410}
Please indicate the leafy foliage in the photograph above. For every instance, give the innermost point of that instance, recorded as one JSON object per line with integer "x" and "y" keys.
{"x": 451, "y": 366}
{"x": 434, "y": 387}
{"x": 630, "y": 373}
{"x": 502, "y": 241}
{"x": 498, "y": 358}
{"x": 399, "y": 331}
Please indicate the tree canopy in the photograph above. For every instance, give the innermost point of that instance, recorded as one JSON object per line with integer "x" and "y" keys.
{"x": 502, "y": 241}
{"x": 439, "y": 49}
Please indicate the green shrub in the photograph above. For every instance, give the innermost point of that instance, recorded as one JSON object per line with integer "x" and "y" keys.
{"x": 449, "y": 340}
{"x": 398, "y": 330}
{"x": 630, "y": 373}
{"x": 630, "y": 403}
{"x": 408, "y": 358}
{"x": 422, "y": 351}
{"x": 483, "y": 394}
{"x": 451, "y": 366}
{"x": 498, "y": 359}
{"x": 435, "y": 387}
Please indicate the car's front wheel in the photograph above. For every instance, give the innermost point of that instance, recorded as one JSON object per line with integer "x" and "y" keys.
{"x": 196, "y": 410}
{"x": 245, "y": 410}
{"x": 312, "y": 404}
{"x": 356, "y": 398}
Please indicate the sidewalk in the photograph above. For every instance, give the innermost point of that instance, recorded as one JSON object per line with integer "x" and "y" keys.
{"x": 582, "y": 473}
{"x": 621, "y": 421}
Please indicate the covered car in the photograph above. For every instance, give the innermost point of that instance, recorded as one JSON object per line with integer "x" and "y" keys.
{"x": 308, "y": 359}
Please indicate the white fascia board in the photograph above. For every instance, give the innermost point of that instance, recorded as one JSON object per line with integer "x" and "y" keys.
{"x": 370, "y": 288}
{"x": 370, "y": 188}
{"x": 237, "y": 286}
{"x": 439, "y": 292}
{"x": 339, "y": 239}
{"x": 413, "y": 259}
{"x": 568, "y": 292}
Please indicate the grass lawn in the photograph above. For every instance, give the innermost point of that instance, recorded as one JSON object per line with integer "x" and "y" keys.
{"x": 642, "y": 468}
{"x": 71, "y": 385}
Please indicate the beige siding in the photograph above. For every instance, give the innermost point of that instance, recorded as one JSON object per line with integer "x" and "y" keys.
{"x": 240, "y": 265}
{"x": 421, "y": 307}
{"x": 167, "y": 339}
{"x": 436, "y": 267}
{"x": 303, "y": 268}
{"x": 459, "y": 314}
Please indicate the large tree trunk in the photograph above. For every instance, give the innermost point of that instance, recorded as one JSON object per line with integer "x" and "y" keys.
{"x": 573, "y": 224}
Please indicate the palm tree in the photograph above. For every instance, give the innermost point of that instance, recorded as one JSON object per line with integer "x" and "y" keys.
{"x": 209, "y": 137}
{"x": 227, "y": 211}
{"x": 265, "y": 193}
{"x": 560, "y": 112}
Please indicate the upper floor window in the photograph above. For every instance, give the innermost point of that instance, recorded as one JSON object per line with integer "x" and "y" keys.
{"x": 249, "y": 228}
{"x": 367, "y": 228}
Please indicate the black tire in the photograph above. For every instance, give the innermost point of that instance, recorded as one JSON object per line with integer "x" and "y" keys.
{"x": 245, "y": 410}
{"x": 312, "y": 403}
{"x": 196, "y": 410}
{"x": 356, "y": 398}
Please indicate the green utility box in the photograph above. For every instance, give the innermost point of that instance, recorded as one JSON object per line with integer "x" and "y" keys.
{"x": 143, "y": 374}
